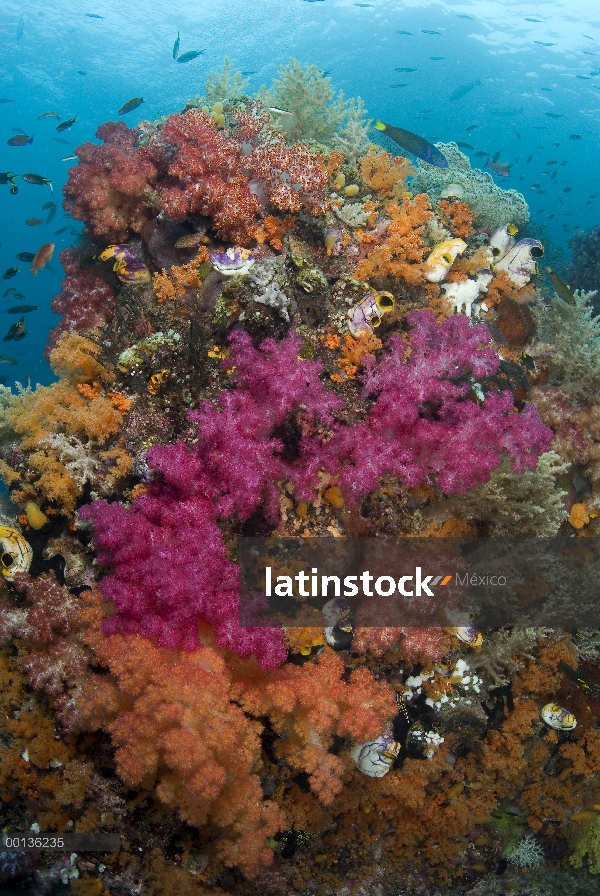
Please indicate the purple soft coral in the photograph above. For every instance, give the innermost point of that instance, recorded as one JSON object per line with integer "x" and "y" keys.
{"x": 170, "y": 565}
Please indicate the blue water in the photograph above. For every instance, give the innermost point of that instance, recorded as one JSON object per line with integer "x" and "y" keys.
{"x": 57, "y": 58}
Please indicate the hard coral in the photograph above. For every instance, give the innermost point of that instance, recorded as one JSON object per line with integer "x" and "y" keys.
{"x": 205, "y": 176}
{"x": 399, "y": 255}
{"x": 108, "y": 188}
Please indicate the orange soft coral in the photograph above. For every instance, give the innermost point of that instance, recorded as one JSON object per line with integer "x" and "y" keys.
{"x": 502, "y": 287}
{"x": 273, "y": 230}
{"x": 403, "y": 249}
{"x": 384, "y": 173}
{"x": 459, "y": 216}
{"x": 176, "y": 729}
{"x": 171, "y": 285}
{"x": 353, "y": 351}
{"x": 77, "y": 359}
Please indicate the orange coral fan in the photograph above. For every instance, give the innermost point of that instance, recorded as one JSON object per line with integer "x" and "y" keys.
{"x": 172, "y": 285}
{"x": 174, "y": 726}
{"x": 403, "y": 248}
{"x": 353, "y": 350}
{"x": 385, "y": 173}
{"x": 274, "y": 229}
{"x": 459, "y": 215}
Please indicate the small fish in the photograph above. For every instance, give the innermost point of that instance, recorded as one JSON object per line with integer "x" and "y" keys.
{"x": 60, "y": 140}
{"x": 41, "y": 258}
{"x": 496, "y": 155}
{"x": 560, "y": 287}
{"x": 405, "y": 69}
{"x": 547, "y": 89}
{"x": 364, "y": 5}
{"x": 3, "y": 99}
{"x": 554, "y": 175}
{"x": 535, "y": 186}
{"x": 533, "y": 20}
{"x": 462, "y": 15}
{"x": 392, "y": 86}
{"x": 33, "y": 222}
{"x": 425, "y": 31}
{"x": 555, "y": 114}
{"x": 463, "y": 90}
{"x": 68, "y": 123}
{"x": 7, "y": 359}
{"x": 191, "y": 240}
{"x": 69, "y": 159}
{"x": 415, "y": 144}
{"x": 191, "y": 54}
{"x": 466, "y": 146}
{"x": 397, "y": 32}
{"x": 472, "y": 127}
{"x": 9, "y": 290}
{"x": 552, "y": 162}
{"x": 16, "y": 332}
{"x": 567, "y": 189}
{"x": 18, "y": 130}
{"x": 7, "y": 177}
{"x": 60, "y": 230}
{"x": 25, "y": 256}
{"x": 576, "y": 136}
{"x": 544, "y": 43}
{"x": 79, "y": 72}
{"x": 93, "y": 15}
{"x": 19, "y": 295}
{"x": 589, "y": 53}
{"x": 176, "y": 47}
{"x": 557, "y": 144}
{"x": 481, "y": 154}
{"x": 20, "y": 140}
{"x": 37, "y": 179}
{"x": 254, "y": 71}
{"x": 48, "y": 115}
{"x": 48, "y": 205}
{"x": 10, "y": 272}
{"x": 588, "y": 37}
{"x": 583, "y": 77}
{"x": 130, "y": 105}
{"x": 499, "y": 168}
{"x": 22, "y": 309}
{"x": 437, "y": 58}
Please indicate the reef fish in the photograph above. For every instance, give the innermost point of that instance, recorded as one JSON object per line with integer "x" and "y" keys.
{"x": 560, "y": 287}
{"x": 576, "y": 136}
{"x": 191, "y": 54}
{"x": 418, "y": 146}
{"x": 20, "y": 140}
{"x": 22, "y": 309}
{"x": 93, "y": 15}
{"x": 25, "y": 256}
{"x": 48, "y": 115}
{"x": 499, "y": 168}
{"x": 544, "y": 43}
{"x": 10, "y": 272}
{"x": 67, "y": 123}
{"x": 7, "y": 359}
{"x": 130, "y": 105}
{"x": 17, "y": 331}
{"x": 176, "y": 47}
{"x": 463, "y": 91}
{"x": 4, "y": 99}
{"x": 8, "y": 291}
{"x": 466, "y": 146}
{"x": 555, "y": 114}
{"x": 405, "y": 69}
{"x": 127, "y": 267}
{"x": 33, "y": 222}
{"x": 41, "y": 258}
{"x": 38, "y": 179}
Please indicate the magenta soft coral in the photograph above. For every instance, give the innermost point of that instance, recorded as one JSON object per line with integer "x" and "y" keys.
{"x": 108, "y": 188}
{"x": 85, "y": 300}
{"x": 423, "y": 425}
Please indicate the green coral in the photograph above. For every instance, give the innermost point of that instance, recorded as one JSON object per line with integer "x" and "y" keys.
{"x": 588, "y": 845}
{"x": 493, "y": 206}
{"x": 527, "y": 505}
{"x": 317, "y": 113}
{"x": 568, "y": 339}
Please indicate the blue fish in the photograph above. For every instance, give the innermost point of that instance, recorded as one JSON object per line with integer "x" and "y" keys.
{"x": 415, "y": 144}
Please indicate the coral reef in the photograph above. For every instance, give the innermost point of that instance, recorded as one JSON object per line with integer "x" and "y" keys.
{"x": 302, "y": 340}
{"x": 492, "y": 205}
